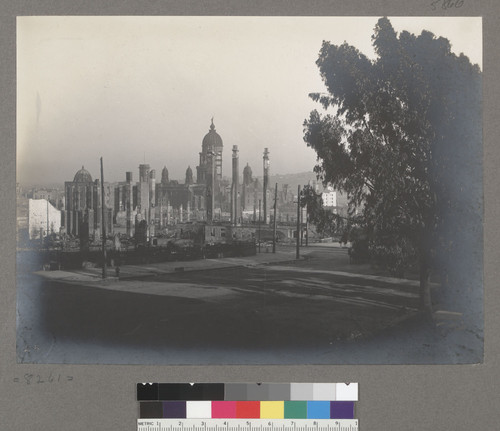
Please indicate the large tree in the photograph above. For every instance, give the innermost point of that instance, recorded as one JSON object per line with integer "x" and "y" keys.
{"x": 402, "y": 136}
{"x": 327, "y": 222}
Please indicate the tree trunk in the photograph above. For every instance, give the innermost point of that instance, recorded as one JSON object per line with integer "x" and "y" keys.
{"x": 425, "y": 288}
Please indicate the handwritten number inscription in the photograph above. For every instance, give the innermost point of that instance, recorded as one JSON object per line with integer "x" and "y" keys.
{"x": 28, "y": 378}
{"x": 37, "y": 379}
{"x": 447, "y": 4}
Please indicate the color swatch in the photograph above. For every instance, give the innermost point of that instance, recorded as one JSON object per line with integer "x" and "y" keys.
{"x": 247, "y": 391}
{"x": 247, "y": 401}
{"x": 247, "y": 409}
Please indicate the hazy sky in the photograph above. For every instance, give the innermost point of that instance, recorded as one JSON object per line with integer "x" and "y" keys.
{"x": 143, "y": 89}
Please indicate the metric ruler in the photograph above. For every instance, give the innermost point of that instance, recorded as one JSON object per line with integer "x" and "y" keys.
{"x": 247, "y": 425}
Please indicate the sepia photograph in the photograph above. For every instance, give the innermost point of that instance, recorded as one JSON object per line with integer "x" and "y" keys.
{"x": 249, "y": 190}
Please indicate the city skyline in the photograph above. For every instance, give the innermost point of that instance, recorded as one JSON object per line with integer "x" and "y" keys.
{"x": 59, "y": 185}
{"x": 143, "y": 89}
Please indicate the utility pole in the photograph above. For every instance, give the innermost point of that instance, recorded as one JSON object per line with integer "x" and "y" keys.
{"x": 297, "y": 256}
{"x": 103, "y": 225}
{"x": 301, "y": 224}
{"x": 266, "y": 181}
{"x": 307, "y": 227}
{"x": 259, "y": 227}
{"x": 274, "y": 221}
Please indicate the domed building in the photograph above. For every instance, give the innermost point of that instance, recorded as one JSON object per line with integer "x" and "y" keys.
{"x": 211, "y": 149}
{"x": 82, "y": 176}
{"x": 212, "y": 139}
{"x": 82, "y": 214}
{"x": 211, "y": 166}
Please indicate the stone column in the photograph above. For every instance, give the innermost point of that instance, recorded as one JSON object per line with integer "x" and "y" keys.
{"x": 266, "y": 181}
{"x": 235, "y": 207}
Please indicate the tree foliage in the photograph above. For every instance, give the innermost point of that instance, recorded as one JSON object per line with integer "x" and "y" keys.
{"x": 327, "y": 222}
{"x": 402, "y": 136}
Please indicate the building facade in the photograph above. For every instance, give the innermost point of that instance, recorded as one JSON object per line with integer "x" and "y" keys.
{"x": 83, "y": 214}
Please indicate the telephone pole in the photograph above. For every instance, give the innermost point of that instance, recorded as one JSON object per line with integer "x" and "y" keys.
{"x": 307, "y": 227}
{"x": 103, "y": 225}
{"x": 274, "y": 221}
{"x": 259, "y": 226}
{"x": 297, "y": 255}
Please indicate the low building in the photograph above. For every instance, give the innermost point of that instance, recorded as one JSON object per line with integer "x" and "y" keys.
{"x": 43, "y": 218}
{"x": 329, "y": 198}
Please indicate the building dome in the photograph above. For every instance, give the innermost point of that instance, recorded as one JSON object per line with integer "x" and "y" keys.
{"x": 82, "y": 176}
{"x": 212, "y": 139}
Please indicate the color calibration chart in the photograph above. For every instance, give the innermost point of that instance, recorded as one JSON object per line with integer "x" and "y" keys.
{"x": 247, "y": 406}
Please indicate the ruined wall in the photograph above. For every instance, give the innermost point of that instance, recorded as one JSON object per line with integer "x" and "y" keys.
{"x": 38, "y": 211}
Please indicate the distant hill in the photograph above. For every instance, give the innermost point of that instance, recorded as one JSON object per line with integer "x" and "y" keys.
{"x": 294, "y": 180}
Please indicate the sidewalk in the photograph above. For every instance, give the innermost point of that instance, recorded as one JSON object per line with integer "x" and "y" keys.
{"x": 283, "y": 256}
{"x": 152, "y": 269}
